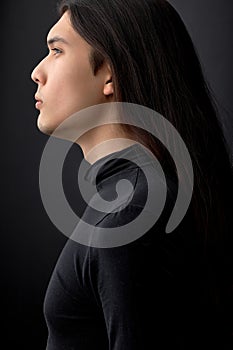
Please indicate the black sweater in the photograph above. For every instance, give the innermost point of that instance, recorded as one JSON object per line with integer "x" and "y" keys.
{"x": 146, "y": 294}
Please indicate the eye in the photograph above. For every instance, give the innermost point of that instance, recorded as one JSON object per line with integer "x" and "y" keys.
{"x": 56, "y": 50}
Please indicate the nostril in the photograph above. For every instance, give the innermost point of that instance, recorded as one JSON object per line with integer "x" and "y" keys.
{"x": 34, "y": 76}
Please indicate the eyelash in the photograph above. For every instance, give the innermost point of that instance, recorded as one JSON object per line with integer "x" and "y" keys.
{"x": 57, "y": 51}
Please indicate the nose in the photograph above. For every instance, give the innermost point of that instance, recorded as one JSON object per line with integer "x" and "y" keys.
{"x": 38, "y": 74}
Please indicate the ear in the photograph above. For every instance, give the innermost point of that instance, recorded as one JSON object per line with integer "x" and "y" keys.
{"x": 108, "y": 85}
{"x": 108, "y": 88}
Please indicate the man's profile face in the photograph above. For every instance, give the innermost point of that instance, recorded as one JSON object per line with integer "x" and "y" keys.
{"x": 66, "y": 83}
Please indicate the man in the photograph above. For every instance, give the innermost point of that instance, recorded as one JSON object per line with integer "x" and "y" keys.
{"x": 159, "y": 291}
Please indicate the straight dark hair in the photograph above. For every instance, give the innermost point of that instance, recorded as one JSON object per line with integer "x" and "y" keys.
{"x": 155, "y": 64}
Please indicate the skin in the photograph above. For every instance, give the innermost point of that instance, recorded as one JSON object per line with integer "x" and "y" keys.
{"x": 66, "y": 85}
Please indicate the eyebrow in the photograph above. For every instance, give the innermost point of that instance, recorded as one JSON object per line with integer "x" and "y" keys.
{"x": 56, "y": 39}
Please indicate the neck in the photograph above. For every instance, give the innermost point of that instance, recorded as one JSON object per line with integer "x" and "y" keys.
{"x": 103, "y": 140}
{"x": 107, "y": 147}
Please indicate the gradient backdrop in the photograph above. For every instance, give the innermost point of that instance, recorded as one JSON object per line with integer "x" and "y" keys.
{"x": 30, "y": 242}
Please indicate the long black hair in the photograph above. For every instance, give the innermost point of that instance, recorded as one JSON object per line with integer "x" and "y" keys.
{"x": 155, "y": 64}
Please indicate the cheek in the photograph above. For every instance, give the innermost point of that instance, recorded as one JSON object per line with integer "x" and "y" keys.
{"x": 69, "y": 90}
{"x": 78, "y": 92}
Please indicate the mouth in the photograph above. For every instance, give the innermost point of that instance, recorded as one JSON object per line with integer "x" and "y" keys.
{"x": 39, "y": 102}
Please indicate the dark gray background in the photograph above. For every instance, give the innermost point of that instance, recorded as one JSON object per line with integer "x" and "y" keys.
{"x": 31, "y": 244}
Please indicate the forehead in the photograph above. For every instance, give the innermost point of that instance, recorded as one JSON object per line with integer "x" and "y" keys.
{"x": 63, "y": 28}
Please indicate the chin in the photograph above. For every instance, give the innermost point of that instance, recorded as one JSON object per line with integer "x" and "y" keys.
{"x": 44, "y": 127}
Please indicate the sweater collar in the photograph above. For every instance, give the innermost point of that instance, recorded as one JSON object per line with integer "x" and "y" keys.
{"x": 113, "y": 164}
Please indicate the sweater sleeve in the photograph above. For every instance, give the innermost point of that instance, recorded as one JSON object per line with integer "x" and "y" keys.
{"x": 122, "y": 284}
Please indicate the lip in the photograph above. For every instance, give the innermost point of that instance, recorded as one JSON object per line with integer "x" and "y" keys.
{"x": 38, "y": 102}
